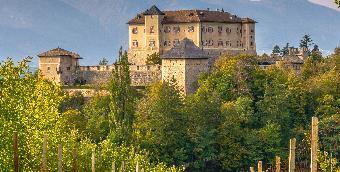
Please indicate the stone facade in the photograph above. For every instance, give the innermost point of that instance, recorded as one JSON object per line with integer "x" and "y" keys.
{"x": 188, "y": 41}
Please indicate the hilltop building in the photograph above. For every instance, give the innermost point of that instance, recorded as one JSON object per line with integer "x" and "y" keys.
{"x": 188, "y": 41}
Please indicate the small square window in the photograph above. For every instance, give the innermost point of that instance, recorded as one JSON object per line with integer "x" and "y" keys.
{"x": 177, "y": 29}
{"x": 152, "y": 43}
{"x": 135, "y": 30}
{"x": 167, "y": 29}
{"x": 48, "y": 68}
{"x": 191, "y": 29}
{"x": 134, "y": 43}
{"x": 68, "y": 68}
{"x": 152, "y": 29}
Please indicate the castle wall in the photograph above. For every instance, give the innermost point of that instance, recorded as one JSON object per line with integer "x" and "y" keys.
{"x": 49, "y": 67}
{"x": 174, "y": 69}
{"x": 193, "y": 69}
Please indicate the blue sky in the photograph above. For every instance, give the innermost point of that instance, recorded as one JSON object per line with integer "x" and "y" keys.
{"x": 97, "y": 28}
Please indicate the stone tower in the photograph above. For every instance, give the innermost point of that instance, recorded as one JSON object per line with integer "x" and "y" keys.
{"x": 184, "y": 63}
{"x": 59, "y": 65}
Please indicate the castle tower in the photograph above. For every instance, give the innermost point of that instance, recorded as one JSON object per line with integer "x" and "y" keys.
{"x": 184, "y": 63}
{"x": 59, "y": 65}
{"x": 248, "y": 35}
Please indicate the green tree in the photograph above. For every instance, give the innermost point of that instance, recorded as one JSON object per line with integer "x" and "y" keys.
{"x": 103, "y": 61}
{"x": 154, "y": 59}
{"x": 337, "y": 2}
{"x": 160, "y": 124}
{"x": 122, "y": 101}
{"x": 306, "y": 42}
{"x": 276, "y": 50}
{"x": 285, "y": 50}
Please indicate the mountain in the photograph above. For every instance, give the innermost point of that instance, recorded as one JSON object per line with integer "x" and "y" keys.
{"x": 97, "y": 28}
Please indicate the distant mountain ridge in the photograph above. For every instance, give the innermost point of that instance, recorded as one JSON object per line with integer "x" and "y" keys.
{"x": 97, "y": 28}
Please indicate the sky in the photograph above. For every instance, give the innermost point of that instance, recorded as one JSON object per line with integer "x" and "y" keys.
{"x": 97, "y": 28}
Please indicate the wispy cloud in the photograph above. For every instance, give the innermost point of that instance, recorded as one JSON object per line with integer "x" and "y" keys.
{"x": 326, "y": 3}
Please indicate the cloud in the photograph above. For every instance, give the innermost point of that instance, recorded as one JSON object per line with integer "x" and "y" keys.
{"x": 326, "y": 3}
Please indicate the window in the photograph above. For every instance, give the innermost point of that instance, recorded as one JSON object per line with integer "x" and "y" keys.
{"x": 135, "y": 30}
{"x": 137, "y": 67}
{"x": 152, "y": 29}
{"x": 48, "y": 68}
{"x": 228, "y": 43}
{"x": 148, "y": 67}
{"x": 191, "y": 29}
{"x": 167, "y": 29}
{"x": 251, "y": 43}
{"x": 228, "y": 30}
{"x": 252, "y": 30}
{"x": 203, "y": 29}
{"x": 176, "y": 42}
{"x": 220, "y": 28}
{"x": 152, "y": 43}
{"x": 237, "y": 30}
{"x": 251, "y": 37}
{"x": 220, "y": 43}
{"x": 210, "y": 29}
{"x": 68, "y": 68}
{"x": 134, "y": 43}
{"x": 167, "y": 43}
{"x": 177, "y": 29}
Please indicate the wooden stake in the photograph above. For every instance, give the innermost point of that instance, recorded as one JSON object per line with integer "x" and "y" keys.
{"x": 93, "y": 161}
{"x": 137, "y": 167}
{"x": 44, "y": 158}
{"x": 314, "y": 145}
{"x": 60, "y": 158}
{"x": 15, "y": 151}
{"x": 278, "y": 164}
{"x": 74, "y": 161}
{"x": 113, "y": 166}
{"x": 122, "y": 167}
{"x": 259, "y": 166}
{"x": 251, "y": 169}
{"x": 292, "y": 146}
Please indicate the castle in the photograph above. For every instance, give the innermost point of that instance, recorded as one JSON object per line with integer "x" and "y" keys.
{"x": 188, "y": 42}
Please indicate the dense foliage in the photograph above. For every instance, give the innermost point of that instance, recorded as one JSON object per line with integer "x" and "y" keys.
{"x": 240, "y": 114}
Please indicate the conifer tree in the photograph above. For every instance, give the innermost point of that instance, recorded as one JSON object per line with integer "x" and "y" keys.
{"x": 276, "y": 50}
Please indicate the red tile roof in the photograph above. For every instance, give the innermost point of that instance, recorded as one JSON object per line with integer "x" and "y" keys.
{"x": 194, "y": 16}
{"x": 59, "y": 52}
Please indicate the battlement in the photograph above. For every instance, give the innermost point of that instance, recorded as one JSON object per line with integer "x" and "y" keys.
{"x": 96, "y": 68}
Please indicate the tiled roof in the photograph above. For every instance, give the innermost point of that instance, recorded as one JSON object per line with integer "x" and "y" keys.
{"x": 153, "y": 11}
{"x": 193, "y": 16}
{"x": 292, "y": 59}
{"x": 185, "y": 50}
{"x": 59, "y": 52}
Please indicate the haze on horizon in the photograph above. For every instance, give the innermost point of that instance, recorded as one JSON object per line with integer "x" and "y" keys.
{"x": 97, "y": 28}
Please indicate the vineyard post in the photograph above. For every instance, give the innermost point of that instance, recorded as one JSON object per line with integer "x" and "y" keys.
{"x": 15, "y": 150}
{"x": 44, "y": 160}
{"x": 278, "y": 164}
{"x": 60, "y": 158}
{"x": 314, "y": 145}
{"x": 259, "y": 166}
{"x": 292, "y": 146}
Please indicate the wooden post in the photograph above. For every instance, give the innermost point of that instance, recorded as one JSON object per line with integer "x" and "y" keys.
{"x": 137, "y": 167}
{"x": 113, "y": 166}
{"x": 259, "y": 166}
{"x": 60, "y": 158}
{"x": 314, "y": 145}
{"x": 15, "y": 151}
{"x": 292, "y": 146}
{"x": 251, "y": 169}
{"x": 74, "y": 161}
{"x": 93, "y": 161}
{"x": 122, "y": 167}
{"x": 44, "y": 158}
{"x": 278, "y": 164}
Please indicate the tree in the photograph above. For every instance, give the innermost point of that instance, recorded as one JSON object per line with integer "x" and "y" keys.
{"x": 285, "y": 50}
{"x": 103, "y": 61}
{"x": 154, "y": 59}
{"x": 276, "y": 50}
{"x": 122, "y": 101}
{"x": 337, "y": 2}
{"x": 306, "y": 42}
{"x": 160, "y": 124}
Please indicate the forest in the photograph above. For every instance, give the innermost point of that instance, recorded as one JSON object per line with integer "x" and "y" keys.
{"x": 240, "y": 114}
